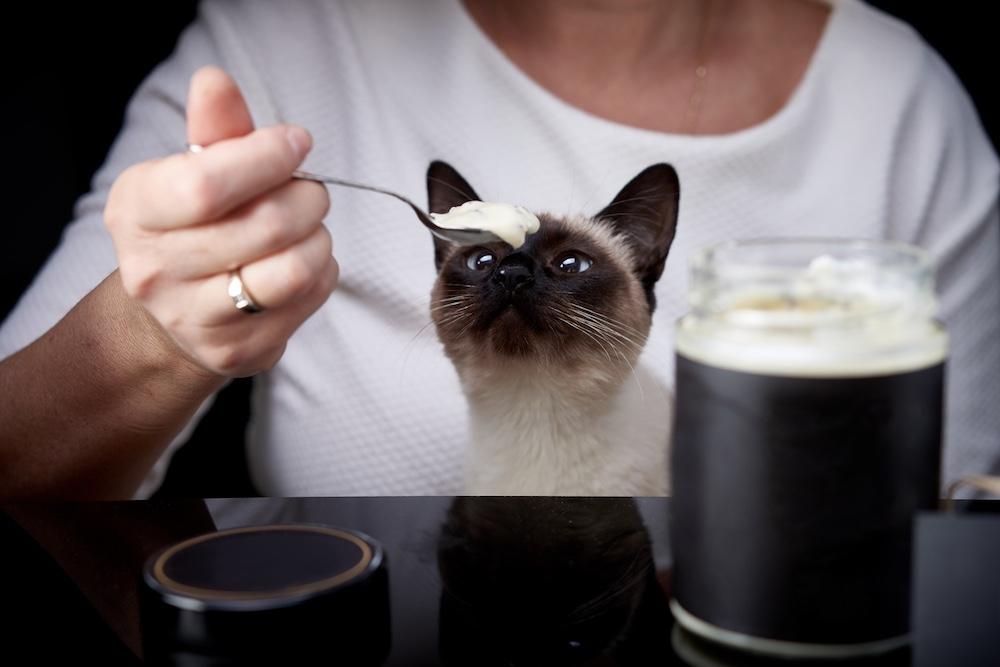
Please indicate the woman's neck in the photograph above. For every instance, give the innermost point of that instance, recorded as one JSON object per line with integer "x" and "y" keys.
{"x": 605, "y": 38}
{"x": 635, "y": 61}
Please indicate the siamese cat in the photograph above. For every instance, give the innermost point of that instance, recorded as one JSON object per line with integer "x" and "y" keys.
{"x": 546, "y": 341}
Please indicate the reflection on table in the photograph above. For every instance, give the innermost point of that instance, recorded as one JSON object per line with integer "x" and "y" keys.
{"x": 472, "y": 581}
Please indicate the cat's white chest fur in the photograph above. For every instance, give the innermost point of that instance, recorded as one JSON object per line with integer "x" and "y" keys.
{"x": 538, "y": 434}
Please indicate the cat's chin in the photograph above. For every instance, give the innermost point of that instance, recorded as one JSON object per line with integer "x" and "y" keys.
{"x": 511, "y": 334}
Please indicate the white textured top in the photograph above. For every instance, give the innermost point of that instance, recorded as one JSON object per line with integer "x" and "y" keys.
{"x": 878, "y": 140}
{"x": 511, "y": 223}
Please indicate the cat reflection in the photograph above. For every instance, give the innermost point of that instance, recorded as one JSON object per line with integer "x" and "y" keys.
{"x": 549, "y": 581}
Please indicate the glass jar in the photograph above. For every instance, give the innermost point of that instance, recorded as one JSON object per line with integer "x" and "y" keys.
{"x": 809, "y": 402}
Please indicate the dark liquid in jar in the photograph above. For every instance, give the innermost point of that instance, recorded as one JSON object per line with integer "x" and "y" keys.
{"x": 794, "y": 497}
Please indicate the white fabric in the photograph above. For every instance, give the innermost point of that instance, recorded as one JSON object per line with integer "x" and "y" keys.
{"x": 879, "y": 140}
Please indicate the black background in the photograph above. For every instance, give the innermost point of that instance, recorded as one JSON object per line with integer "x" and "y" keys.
{"x": 70, "y": 68}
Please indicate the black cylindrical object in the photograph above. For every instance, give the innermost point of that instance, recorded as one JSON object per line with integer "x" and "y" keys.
{"x": 808, "y": 424}
{"x": 793, "y": 503}
{"x": 277, "y": 594}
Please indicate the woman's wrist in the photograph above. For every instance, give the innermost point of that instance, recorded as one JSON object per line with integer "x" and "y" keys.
{"x": 88, "y": 408}
{"x": 158, "y": 351}
{"x": 162, "y": 370}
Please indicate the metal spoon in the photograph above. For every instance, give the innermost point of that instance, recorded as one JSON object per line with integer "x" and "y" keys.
{"x": 459, "y": 236}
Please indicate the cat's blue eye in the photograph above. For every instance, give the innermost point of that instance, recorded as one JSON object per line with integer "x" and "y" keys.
{"x": 480, "y": 260}
{"x": 574, "y": 262}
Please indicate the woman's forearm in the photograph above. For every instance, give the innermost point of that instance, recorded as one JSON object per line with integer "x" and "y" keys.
{"x": 87, "y": 409}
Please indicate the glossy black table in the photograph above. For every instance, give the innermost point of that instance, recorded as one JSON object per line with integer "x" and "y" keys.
{"x": 473, "y": 581}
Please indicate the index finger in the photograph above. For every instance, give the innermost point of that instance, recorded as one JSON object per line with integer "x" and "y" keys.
{"x": 189, "y": 189}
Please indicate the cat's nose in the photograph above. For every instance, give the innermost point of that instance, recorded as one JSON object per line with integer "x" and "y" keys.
{"x": 513, "y": 277}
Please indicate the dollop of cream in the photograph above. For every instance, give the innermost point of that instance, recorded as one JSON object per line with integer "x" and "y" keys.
{"x": 509, "y": 222}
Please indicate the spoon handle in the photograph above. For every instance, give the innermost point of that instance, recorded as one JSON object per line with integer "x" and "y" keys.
{"x": 462, "y": 236}
{"x": 308, "y": 176}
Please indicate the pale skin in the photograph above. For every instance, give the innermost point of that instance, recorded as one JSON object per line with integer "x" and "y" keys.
{"x": 634, "y": 61}
{"x": 88, "y": 408}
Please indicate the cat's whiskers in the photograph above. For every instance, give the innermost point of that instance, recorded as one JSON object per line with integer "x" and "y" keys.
{"x": 600, "y": 333}
{"x": 468, "y": 326}
{"x": 457, "y": 309}
{"x": 454, "y": 318}
{"x": 458, "y": 302}
{"x": 611, "y": 336}
{"x": 610, "y": 330}
{"x": 623, "y": 328}
{"x": 607, "y": 330}
{"x": 452, "y": 306}
{"x": 458, "y": 314}
{"x": 409, "y": 347}
{"x": 455, "y": 297}
{"x": 580, "y": 323}
{"x": 617, "y": 323}
{"x": 601, "y": 338}
{"x": 572, "y": 322}
{"x": 594, "y": 338}
{"x": 597, "y": 337}
{"x": 604, "y": 317}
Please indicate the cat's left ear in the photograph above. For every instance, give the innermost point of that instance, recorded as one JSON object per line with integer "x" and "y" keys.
{"x": 445, "y": 189}
{"x": 644, "y": 213}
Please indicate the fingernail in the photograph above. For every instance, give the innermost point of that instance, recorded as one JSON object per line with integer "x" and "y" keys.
{"x": 299, "y": 140}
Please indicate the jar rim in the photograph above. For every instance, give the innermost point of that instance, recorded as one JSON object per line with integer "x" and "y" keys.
{"x": 805, "y": 303}
{"x": 833, "y": 277}
{"x": 917, "y": 257}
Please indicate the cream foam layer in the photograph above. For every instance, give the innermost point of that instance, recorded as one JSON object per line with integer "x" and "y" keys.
{"x": 511, "y": 223}
{"x": 833, "y": 318}
{"x": 812, "y": 357}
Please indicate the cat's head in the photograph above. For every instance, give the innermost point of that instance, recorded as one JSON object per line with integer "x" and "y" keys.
{"x": 578, "y": 293}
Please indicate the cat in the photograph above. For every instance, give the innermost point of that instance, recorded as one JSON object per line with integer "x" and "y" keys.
{"x": 546, "y": 342}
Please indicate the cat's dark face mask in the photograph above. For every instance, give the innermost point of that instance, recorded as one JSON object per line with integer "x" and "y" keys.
{"x": 576, "y": 288}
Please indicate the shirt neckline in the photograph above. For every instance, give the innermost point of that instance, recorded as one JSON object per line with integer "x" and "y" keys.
{"x": 792, "y": 107}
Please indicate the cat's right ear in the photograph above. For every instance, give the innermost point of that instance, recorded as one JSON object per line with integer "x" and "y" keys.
{"x": 445, "y": 189}
{"x": 645, "y": 214}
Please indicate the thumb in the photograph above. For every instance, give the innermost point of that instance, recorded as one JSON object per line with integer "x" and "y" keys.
{"x": 215, "y": 108}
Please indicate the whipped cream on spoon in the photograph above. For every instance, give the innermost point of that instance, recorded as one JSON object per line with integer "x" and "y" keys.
{"x": 508, "y": 222}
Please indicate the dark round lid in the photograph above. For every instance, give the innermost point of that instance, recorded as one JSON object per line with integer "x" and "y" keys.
{"x": 245, "y": 590}
{"x": 262, "y": 566}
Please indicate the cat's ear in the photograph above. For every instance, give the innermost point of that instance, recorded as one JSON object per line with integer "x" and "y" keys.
{"x": 445, "y": 189}
{"x": 644, "y": 213}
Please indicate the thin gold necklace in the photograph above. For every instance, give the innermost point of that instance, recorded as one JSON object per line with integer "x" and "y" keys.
{"x": 697, "y": 96}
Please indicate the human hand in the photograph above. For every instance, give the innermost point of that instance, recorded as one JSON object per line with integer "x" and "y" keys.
{"x": 182, "y": 224}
